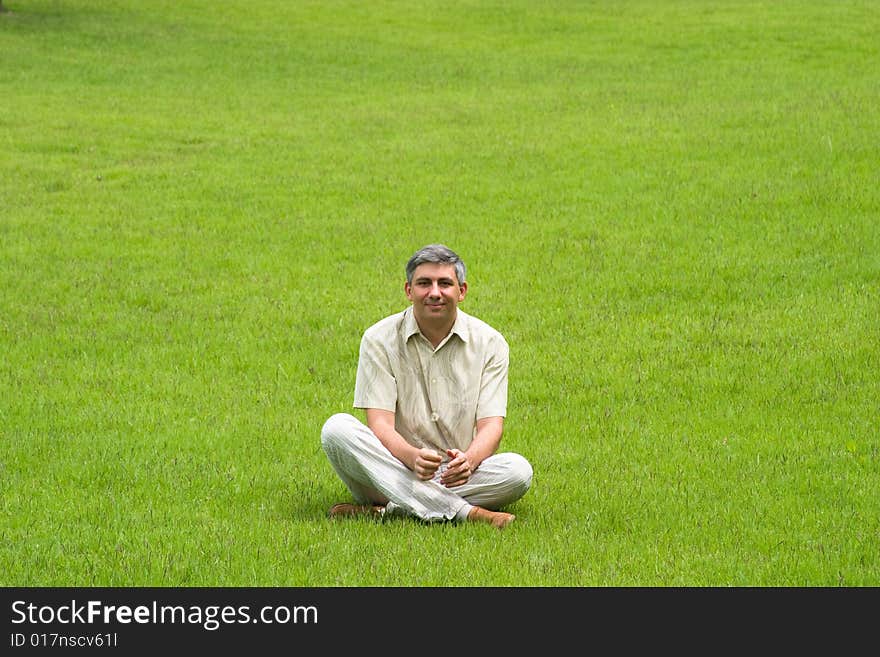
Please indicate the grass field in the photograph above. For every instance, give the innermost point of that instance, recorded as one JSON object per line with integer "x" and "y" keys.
{"x": 670, "y": 209}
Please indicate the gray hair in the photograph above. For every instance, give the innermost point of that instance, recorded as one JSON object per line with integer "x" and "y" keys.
{"x": 436, "y": 254}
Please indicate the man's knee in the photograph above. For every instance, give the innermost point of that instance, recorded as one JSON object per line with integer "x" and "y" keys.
{"x": 517, "y": 473}
{"x": 337, "y": 429}
{"x": 520, "y": 472}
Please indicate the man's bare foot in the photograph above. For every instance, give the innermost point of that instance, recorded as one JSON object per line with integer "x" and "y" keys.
{"x": 499, "y": 519}
{"x": 346, "y": 509}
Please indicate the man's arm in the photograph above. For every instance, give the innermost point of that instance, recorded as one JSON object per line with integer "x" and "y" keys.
{"x": 424, "y": 462}
{"x": 485, "y": 443}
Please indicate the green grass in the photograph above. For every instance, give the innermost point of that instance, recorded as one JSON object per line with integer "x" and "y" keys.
{"x": 670, "y": 210}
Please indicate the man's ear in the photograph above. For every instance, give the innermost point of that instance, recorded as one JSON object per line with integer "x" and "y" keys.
{"x": 463, "y": 287}
{"x": 407, "y": 288}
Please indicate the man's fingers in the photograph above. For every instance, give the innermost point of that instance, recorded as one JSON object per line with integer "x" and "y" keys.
{"x": 456, "y": 481}
{"x": 424, "y": 473}
{"x": 431, "y": 455}
{"x": 457, "y": 474}
{"x": 427, "y": 463}
{"x": 456, "y": 457}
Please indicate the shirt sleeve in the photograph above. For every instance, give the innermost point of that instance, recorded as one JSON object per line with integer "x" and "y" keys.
{"x": 493, "y": 382}
{"x": 375, "y": 385}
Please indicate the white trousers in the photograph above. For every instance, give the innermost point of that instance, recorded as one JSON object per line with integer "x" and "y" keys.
{"x": 375, "y": 476}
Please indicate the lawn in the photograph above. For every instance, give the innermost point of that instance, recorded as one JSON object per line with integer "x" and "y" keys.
{"x": 671, "y": 210}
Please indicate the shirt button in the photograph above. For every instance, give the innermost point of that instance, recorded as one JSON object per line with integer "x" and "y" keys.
{"x": 434, "y": 417}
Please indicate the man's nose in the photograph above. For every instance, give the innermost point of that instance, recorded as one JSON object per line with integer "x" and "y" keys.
{"x": 435, "y": 290}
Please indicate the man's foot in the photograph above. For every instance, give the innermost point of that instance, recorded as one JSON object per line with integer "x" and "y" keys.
{"x": 499, "y": 519}
{"x": 344, "y": 509}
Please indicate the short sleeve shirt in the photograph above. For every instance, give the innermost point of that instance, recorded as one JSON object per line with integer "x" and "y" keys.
{"x": 437, "y": 395}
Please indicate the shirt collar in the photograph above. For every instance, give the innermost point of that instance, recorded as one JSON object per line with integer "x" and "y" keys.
{"x": 410, "y": 327}
{"x": 459, "y": 328}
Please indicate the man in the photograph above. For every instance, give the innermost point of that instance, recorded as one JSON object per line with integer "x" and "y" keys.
{"x": 433, "y": 382}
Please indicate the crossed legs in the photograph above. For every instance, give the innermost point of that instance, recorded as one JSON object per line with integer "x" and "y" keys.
{"x": 376, "y": 479}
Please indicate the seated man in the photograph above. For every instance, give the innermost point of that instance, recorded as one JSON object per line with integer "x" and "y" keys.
{"x": 433, "y": 383}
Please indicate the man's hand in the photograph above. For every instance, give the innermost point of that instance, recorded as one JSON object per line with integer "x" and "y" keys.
{"x": 458, "y": 470}
{"x": 426, "y": 463}
{"x": 423, "y": 462}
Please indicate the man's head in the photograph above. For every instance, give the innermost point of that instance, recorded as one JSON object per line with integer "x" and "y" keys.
{"x": 435, "y": 284}
{"x": 437, "y": 254}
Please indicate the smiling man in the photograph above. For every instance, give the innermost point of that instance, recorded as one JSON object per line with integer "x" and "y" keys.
{"x": 432, "y": 381}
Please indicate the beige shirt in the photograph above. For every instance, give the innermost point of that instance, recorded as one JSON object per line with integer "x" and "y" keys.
{"x": 437, "y": 395}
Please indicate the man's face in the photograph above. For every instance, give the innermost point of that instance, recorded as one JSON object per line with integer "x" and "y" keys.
{"x": 435, "y": 293}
